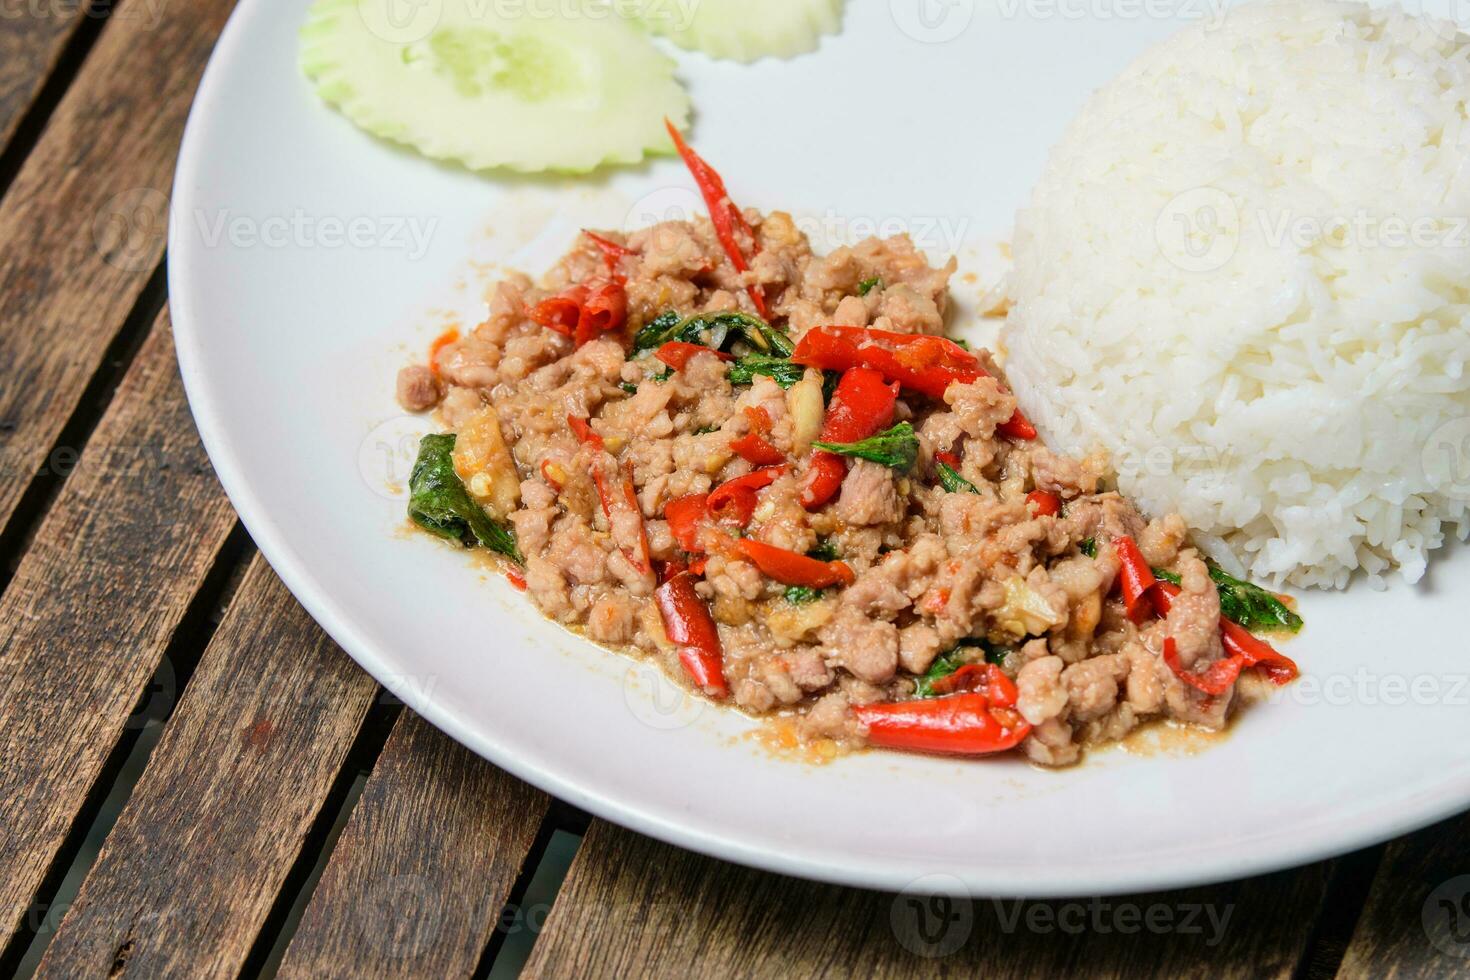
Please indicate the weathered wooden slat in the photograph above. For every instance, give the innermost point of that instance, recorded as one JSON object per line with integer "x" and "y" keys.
{"x": 31, "y": 43}
{"x": 634, "y": 907}
{"x": 422, "y": 871}
{"x": 93, "y": 606}
{"x": 83, "y": 224}
{"x": 196, "y": 861}
{"x": 1416, "y": 922}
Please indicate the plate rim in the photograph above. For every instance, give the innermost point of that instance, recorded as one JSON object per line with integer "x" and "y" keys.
{"x": 1305, "y": 843}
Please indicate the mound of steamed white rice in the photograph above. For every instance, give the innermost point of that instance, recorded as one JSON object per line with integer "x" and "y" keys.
{"x": 1245, "y": 274}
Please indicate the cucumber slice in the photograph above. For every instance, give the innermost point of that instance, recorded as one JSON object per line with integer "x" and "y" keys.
{"x": 530, "y": 86}
{"x": 741, "y": 30}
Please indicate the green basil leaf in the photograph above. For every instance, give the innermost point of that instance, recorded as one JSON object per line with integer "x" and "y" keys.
{"x": 439, "y": 503}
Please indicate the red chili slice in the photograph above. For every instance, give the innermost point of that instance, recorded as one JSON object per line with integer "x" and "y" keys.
{"x": 919, "y": 362}
{"x": 961, "y": 724}
{"x": 678, "y": 353}
{"x": 1044, "y": 503}
{"x": 793, "y": 568}
{"x": 733, "y": 502}
{"x": 727, "y": 218}
{"x": 1135, "y": 578}
{"x": 692, "y": 630}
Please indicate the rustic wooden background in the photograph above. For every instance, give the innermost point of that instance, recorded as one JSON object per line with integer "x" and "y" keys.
{"x": 194, "y": 781}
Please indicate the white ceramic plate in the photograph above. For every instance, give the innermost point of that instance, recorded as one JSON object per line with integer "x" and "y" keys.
{"x": 308, "y": 262}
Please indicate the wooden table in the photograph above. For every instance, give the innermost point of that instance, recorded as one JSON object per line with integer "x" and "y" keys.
{"x": 195, "y": 781}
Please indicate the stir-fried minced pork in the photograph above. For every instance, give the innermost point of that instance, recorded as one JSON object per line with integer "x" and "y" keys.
{"x": 985, "y": 548}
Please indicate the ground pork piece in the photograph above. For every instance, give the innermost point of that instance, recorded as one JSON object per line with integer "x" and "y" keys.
{"x": 532, "y": 526}
{"x": 1092, "y": 686}
{"x": 674, "y": 249}
{"x": 808, "y": 669}
{"x": 898, "y": 579}
{"x": 1110, "y": 726}
{"x": 418, "y": 389}
{"x": 547, "y": 587}
{"x": 727, "y": 576}
{"x": 980, "y": 406}
{"x": 753, "y": 696}
{"x": 613, "y": 619}
{"x": 1120, "y": 518}
{"x": 851, "y": 312}
{"x": 910, "y": 311}
{"x": 1061, "y": 475}
{"x": 1145, "y": 689}
{"x": 1161, "y": 540}
{"x": 869, "y": 495}
{"x": 507, "y": 308}
{"x": 459, "y": 405}
{"x": 918, "y": 645}
{"x": 1050, "y": 744}
{"x": 784, "y": 522}
{"x": 574, "y": 548}
{"x": 867, "y": 648}
{"x": 1194, "y": 616}
{"x": 471, "y": 362}
{"x": 1043, "y": 695}
{"x": 829, "y": 718}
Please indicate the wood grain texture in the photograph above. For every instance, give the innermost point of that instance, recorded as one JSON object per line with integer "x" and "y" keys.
{"x": 634, "y": 907}
{"x": 83, "y": 224}
{"x": 93, "y": 606}
{"x": 196, "y": 860}
{"x": 1416, "y": 922}
{"x": 32, "y": 36}
{"x": 420, "y": 875}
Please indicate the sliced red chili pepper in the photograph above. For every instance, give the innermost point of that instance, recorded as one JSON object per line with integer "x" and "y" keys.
{"x": 562, "y": 311}
{"x": 552, "y": 473}
{"x": 611, "y": 251}
{"x": 604, "y": 310}
{"x": 637, "y": 553}
{"x": 961, "y": 724}
{"x": 757, "y": 449}
{"x": 1043, "y": 503}
{"x": 919, "y": 362}
{"x": 727, "y": 218}
{"x": 685, "y": 515}
{"x": 1240, "y": 642}
{"x": 440, "y": 342}
{"x": 677, "y": 353}
{"x": 793, "y": 568}
{"x": 516, "y": 579}
{"x": 759, "y": 418}
{"x": 583, "y": 431}
{"x": 975, "y": 677}
{"x": 952, "y": 460}
{"x": 862, "y": 404}
{"x": 696, "y": 567}
{"x": 1215, "y": 679}
{"x": 584, "y": 311}
{"x": 733, "y": 502}
{"x": 1135, "y": 578}
{"x": 692, "y": 630}
{"x": 1017, "y": 427}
